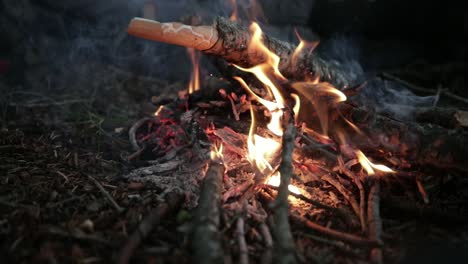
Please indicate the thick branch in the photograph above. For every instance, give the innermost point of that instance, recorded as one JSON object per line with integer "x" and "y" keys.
{"x": 231, "y": 41}
{"x": 284, "y": 242}
{"x": 206, "y": 243}
{"x": 375, "y": 223}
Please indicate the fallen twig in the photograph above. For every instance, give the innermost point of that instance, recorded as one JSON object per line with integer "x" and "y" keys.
{"x": 346, "y": 194}
{"x": 206, "y": 240}
{"x": 106, "y": 194}
{"x": 424, "y": 90}
{"x": 373, "y": 216}
{"x": 284, "y": 242}
{"x": 172, "y": 202}
{"x": 349, "y": 238}
{"x": 243, "y": 251}
{"x": 132, "y": 133}
{"x": 268, "y": 240}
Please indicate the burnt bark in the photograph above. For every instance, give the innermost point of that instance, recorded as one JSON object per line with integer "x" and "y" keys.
{"x": 234, "y": 40}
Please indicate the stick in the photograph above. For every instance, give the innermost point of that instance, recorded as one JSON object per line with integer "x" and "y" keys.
{"x": 243, "y": 251}
{"x": 346, "y": 194}
{"x": 106, "y": 194}
{"x": 171, "y": 204}
{"x": 349, "y": 238}
{"x": 206, "y": 240}
{"x": 373, "y": 216}
{"x": 424, "y": 90}
{"x": 132, "y": 133}
{"x": 284, "y": 242}
{"x": 231, "y": 41}
{"x": 422, "y": 144}
{"x": 268, "y": 254}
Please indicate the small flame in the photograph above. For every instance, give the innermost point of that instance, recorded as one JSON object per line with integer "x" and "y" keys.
{"x": 260, "y": 149}
{"x": 217, "y": 153}
{"x": 158, "y": 112}
{"x": 369, "y": 166}
{"x": 310, "y": 46}
{"x": 194, "y": 84}
{"x": 297, "y": 106}
{"x": 275, "y": 180}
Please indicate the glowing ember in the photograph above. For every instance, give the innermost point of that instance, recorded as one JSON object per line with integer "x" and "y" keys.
{"x": 194, "y": 84}
{"x": 275, "y": 180}
{"x": 369, "y": 166}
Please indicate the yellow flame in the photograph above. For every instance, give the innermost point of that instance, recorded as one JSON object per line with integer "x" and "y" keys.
{"x": 260, "y": 149}
{"x": 275, "y": 180}
{"x": 297, "y": 106}
{"x": 194, "y": 84}
{"x": 369, "y": 166}
{"x": 217, "y": 153}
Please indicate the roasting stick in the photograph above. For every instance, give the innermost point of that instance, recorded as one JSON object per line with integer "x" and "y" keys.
{"x": 231, "y": 41}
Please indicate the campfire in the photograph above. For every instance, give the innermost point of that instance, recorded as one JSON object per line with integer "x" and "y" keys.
{"x": 282, "y": 150}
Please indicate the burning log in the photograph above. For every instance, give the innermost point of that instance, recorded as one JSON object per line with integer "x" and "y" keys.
{"x": 206, "y": 242}
{"x": 231, "y": 41}
{"x": 423, "y": 144}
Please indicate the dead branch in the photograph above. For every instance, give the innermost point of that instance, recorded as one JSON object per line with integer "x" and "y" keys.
{"x": 284, "y": 242}
{"x": 424, "y": 90}
{"x": 349, "y": 238}
{"x": 346, "y": 193}
{"x": 132, "y": 133}
{"x": 172, "y": 202}
{"x": 266, "y": 234}
{"x": 231, "y": 41}
{"x": 243, "y": 251}
{"x": 374, "y": 220}
{"x": 106, "y": 194}
{"x": 423, "y": 144}
{"x": 206, "y": 239}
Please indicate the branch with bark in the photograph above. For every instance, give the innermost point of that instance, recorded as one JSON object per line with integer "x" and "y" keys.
{"x": 231, "y": 41}
{"x": 206, "y": 239}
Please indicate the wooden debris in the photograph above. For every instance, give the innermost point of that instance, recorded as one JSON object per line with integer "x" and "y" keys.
{"x": 374, "y": 220}
{"x": 284, "y": 242}
{"x": 206, "y": 239}
{"x": 172, "y": 202}
{"x": 230, "y": 41}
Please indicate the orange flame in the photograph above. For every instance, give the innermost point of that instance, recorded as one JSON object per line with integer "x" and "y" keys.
{"x": 194, "y": 84}
{"x": 310, "y": 46}
{"x": 370, "y": 167}
{"x": 260, "y": 149}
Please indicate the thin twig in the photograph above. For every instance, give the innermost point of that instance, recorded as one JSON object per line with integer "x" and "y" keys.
{"x": 132, "y": 133}
{"x": 424, "y": 90}
{"x": 421, "y": 190}
{"x": 206, "y": 239}
{"x": 346, "y": 194}
{"x": 266, "y": 234}
{"x": 362, "y": 192}
{"x": 284, "y": 242}
{"x": 334, "y": 210}
{"x": 349, "y": 238}
{"x": 243, "y": 251}
{"x": 173, "y": 201}
{"x": 374, "y": 220}
{"x": 106, "y": 194}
